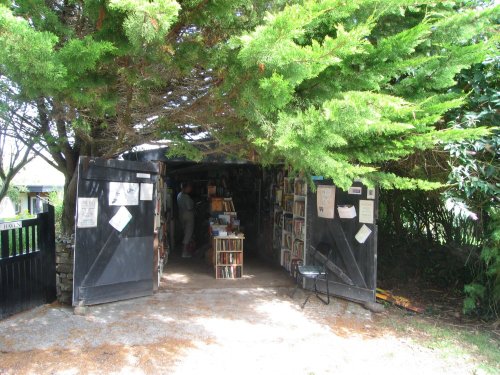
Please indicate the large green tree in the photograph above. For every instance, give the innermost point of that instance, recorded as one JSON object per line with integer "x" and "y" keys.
{"x": 95, "y": 77}
{"x": 341, "y": 88}
{"x": 332, "y": 87}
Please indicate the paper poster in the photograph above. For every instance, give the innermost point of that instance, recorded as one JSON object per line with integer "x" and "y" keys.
{"x": 325, "y": 200}
{"x": 370, "y": 194}
{"x": 347, "y": 212}
{"x": 87, "y": 212}
{"x": 363, "y": 234}
{"x": 123, "y": 194}
{"x": 121, "y": 219}
{"x": 366, "y": 211}
{"x": 356, "y": 190}
{"x": 146, "y": 192}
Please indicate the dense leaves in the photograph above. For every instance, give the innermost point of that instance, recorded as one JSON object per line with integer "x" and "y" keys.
{"x": 475, "y": 183}
{"x": 331, "y": 87}
{"x": 334, "y": 89}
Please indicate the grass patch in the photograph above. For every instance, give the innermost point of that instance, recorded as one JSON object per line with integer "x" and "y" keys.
{"x": 479, "y": 347}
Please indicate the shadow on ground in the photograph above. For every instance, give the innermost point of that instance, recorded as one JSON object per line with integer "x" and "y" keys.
{"x": 193, "y": 327}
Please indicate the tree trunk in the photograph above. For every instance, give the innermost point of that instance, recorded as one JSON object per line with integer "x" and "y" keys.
{"x": 4, "y": 189}
{"x": 69, "y": 202}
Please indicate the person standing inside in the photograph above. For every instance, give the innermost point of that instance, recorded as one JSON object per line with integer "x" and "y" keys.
{"x": 186, "y": 216}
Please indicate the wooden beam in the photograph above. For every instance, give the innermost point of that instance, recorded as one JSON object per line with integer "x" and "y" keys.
{"x": 345, "y": 250}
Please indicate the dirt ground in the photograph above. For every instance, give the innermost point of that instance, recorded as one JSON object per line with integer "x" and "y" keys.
{"x": 218, "y": 330}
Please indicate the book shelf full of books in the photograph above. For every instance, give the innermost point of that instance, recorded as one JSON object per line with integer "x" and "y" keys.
{"x": 228, "y": 256}
{"x": 293, "y": 238}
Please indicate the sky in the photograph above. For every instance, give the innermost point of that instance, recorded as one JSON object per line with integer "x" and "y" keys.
{"x": 39, "y": 172}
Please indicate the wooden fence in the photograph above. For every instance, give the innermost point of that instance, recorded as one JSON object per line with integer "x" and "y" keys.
{"x": 27, "y": 263}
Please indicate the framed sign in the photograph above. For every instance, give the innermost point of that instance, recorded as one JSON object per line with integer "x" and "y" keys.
{"x": 356, "y": 190}
{"x": 370, "y": 193}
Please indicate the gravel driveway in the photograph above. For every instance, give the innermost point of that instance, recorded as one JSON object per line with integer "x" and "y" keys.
{"x": 213, "y": 331}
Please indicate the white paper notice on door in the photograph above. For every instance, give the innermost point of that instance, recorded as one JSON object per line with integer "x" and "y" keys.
{"x": 325, "y": 200}
{"x": 121, "y": 219}
{"x": 363, "y": 234}
{"x": 123, "y": 194}
{"x": 366, "y": 211}
{"x": 87, "y": 212}
{"x": 146, "y": 192}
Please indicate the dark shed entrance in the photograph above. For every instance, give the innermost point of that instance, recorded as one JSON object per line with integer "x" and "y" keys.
{"x": 241, "y": 181}
{"x": 261, "y": 205}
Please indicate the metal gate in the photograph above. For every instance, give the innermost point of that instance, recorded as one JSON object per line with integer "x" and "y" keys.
{"x": 353, "y": 265}
{"x": 27, "y": 263}
{"x": 114, "y": 230}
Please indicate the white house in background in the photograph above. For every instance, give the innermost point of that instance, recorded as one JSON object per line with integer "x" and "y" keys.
{"x": 39, "y": 179}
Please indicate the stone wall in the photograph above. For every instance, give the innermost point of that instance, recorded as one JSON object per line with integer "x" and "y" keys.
{"x": 64, "y": 268}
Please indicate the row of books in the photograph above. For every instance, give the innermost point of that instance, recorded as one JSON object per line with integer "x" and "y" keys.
{"x": 288, "y": 185}
{"x": 288, "y": 223}
{"x": 295, "y": 186}
{"x": 230, "y": 244}
{"x": 277, "y": 238}
{"x": 228, "y": 272}
{"x": 222, "y": 205}
{"x": 300, "y": 187}
{"x": 288, "y": 204}
{"x": 298, "y": 249}
{"x": 287, "y": 241}
{"x": 299, "y": 226}
{"x": 278, "y": 218}
{"x": 230, "y": 258}
{"x": 287, "y": 258}
{"x": 299, "y": 208}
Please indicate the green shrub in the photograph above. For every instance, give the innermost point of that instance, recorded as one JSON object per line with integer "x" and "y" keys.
{"x": 483, "y": 294}
{"x": 56, "y": 199}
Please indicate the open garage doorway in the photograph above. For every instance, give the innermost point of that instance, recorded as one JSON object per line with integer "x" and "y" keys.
{"x": 246, "y": 221}
{"x": 216, "y": 182}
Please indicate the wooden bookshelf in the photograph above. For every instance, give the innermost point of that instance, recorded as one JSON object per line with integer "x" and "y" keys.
{"x": 228, "y": 254}
{"x": 278, "y": 227}
{"x": 293, "y": 240}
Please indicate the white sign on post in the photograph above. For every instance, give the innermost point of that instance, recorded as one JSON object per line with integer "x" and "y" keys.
{"x": 121, "y": 219}
{"x": 325, "y": 200}
{"x": 363, "y": 234}
{"x": 123, "y": 194}
{"x": 146, "y": 192}
{"x": 366, "y": 211}
{"x": 87, "y": 212}
{"x": 11, "y": 225}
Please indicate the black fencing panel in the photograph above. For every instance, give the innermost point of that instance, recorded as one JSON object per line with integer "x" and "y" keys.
{"x": 114, "y": 246}
{"x": 353, "y": 265}
{"x": 27, "y": 263}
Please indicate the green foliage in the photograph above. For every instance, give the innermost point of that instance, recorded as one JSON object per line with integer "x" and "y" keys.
{"x": 146, "y": 21}
{"x": 462, "y": 223}
{"x": 483, "y": 293}
{"x": 56, "y": 200}
{"x": 14, "y": 193}
{"x": 339, "y": 89}
{"x": 450, "y": 340}
{"x": 28, "y": 56}
{"x": 80, "y": 56}
{"x": 475, "y": 183}
{"x": 331, "y": 87}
